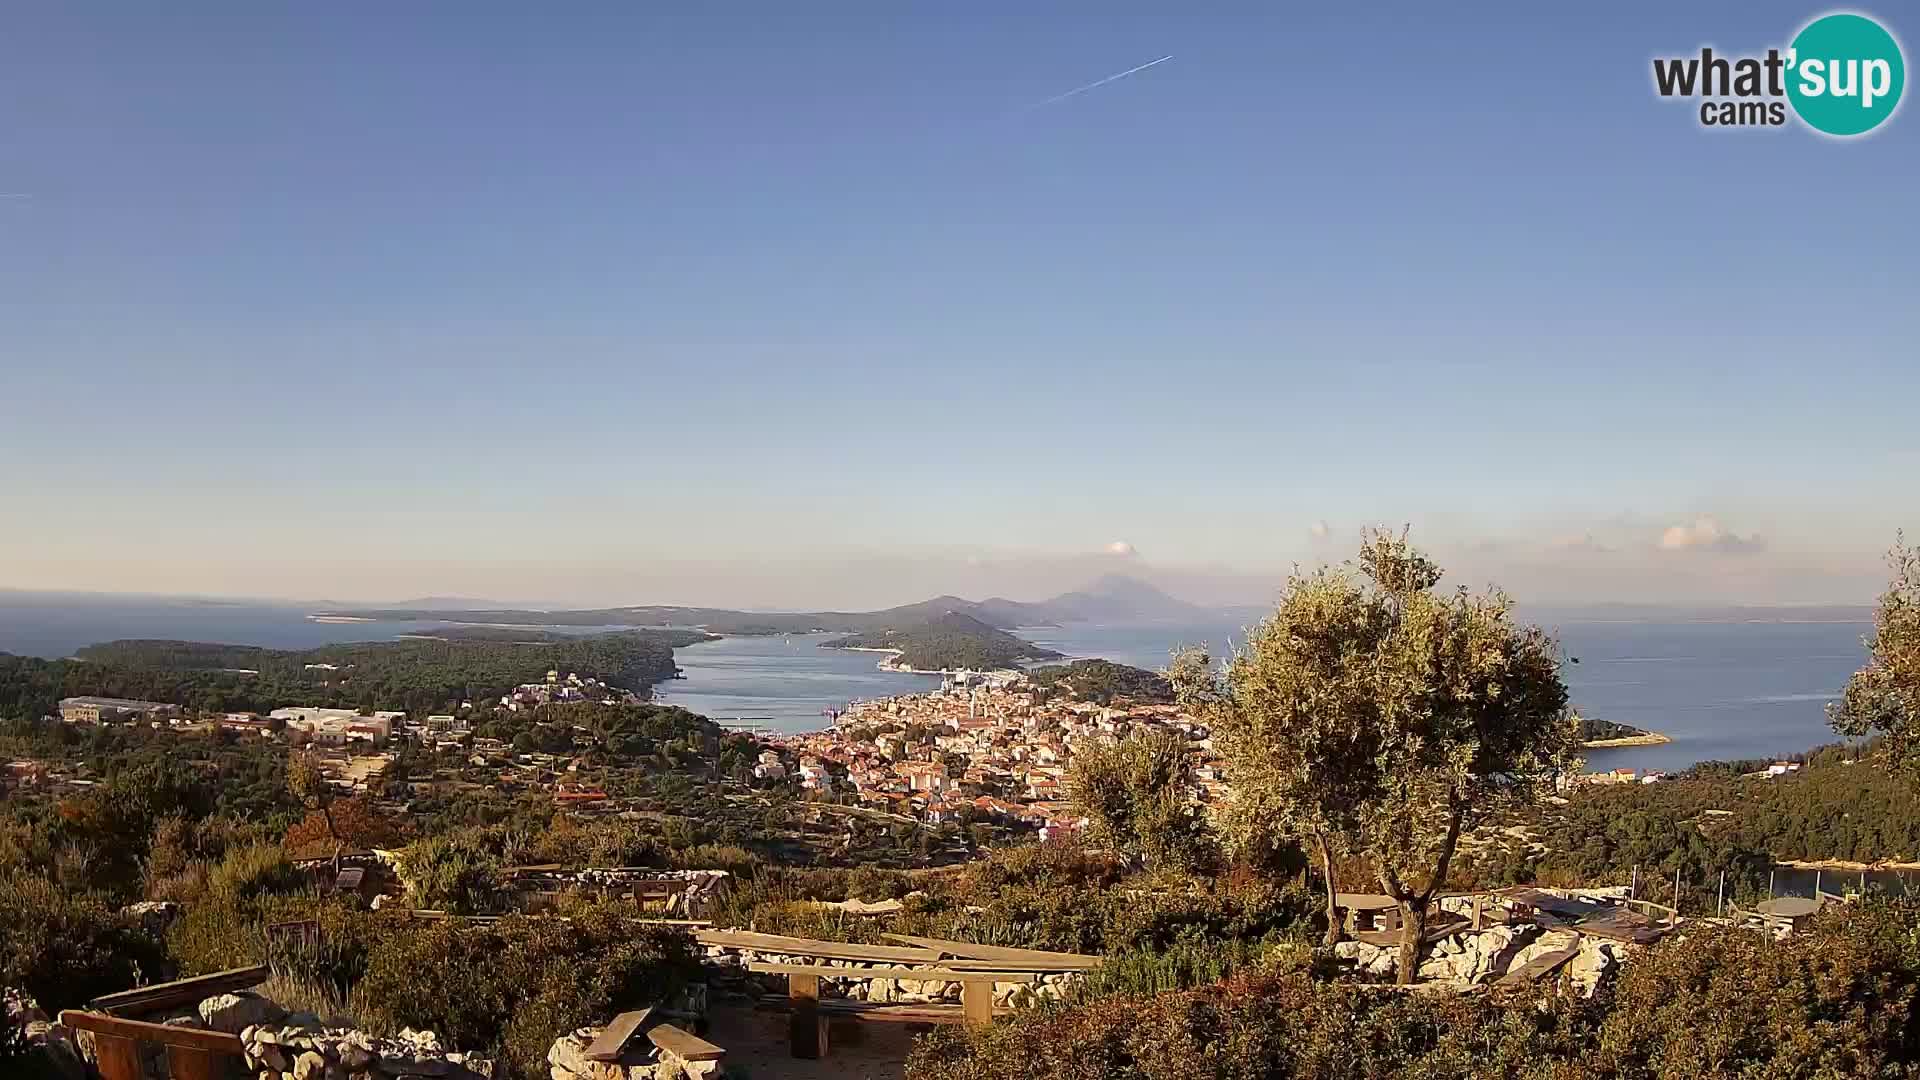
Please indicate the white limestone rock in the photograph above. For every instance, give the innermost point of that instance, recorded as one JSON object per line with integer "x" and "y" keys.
{"x": 233, "y": 1013}
{"x": 1367, "y": 958}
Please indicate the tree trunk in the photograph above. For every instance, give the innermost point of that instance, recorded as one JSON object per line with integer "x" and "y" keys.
{"x": 327, "y": 813}
{"x": 1335, "y": 931}
{"x": 1413, "y": 937}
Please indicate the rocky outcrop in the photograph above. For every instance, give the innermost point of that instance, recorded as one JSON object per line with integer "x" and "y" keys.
{"x": 1367, "y": 959}
{"x": 155, "y": 917}
{"x": 1475, "y": 958}
{"x": 233, "y": 1013}
{"x": 58, "y": 1049}
{"x": 1595, "y": 963}
{"x": 296, "y": 1052}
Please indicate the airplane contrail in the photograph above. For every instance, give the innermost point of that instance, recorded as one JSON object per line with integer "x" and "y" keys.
{"x": 1101, "y": 82}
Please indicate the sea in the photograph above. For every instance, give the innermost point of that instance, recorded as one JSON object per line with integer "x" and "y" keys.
{"x": 1719, "y": 690}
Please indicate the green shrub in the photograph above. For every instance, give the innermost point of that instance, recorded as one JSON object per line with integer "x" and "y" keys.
{"x": 737, "y": 861}
{"x": 450, "y": 873}
{"x": 1840, "y": 1001}
{"x": 256, "y": 870}
{"x": 513, "y": 986}
{"x": 64, "y": 947}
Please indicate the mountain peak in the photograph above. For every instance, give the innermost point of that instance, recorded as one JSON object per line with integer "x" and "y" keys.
{"x": 1118, "y": 598}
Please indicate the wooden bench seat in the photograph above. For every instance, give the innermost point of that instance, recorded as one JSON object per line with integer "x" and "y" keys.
{"x": 943, "y": 973}
{"x": 684, "y": 1044}
{"x": 902, "y": 1012}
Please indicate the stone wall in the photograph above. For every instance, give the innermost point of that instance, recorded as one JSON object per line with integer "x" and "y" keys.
{"x": 277, "y": 1046}
{"x": 296, "y": 1052}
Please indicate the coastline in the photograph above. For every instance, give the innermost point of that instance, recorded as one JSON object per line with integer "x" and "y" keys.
{"x": 1843, "y": 864}
{"x": 891, "y": 665}
{"x": 1651, "y": 738}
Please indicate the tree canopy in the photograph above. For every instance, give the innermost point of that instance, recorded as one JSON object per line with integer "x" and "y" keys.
{"x": 1135, "y": 794}
{"x": 1374, "y": 712}
{"x": 1883, "y": 698}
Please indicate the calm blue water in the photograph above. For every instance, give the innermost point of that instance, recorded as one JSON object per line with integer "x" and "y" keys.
{"x": 1721, "y": 690}
{"x": 50, "y": 624}
{"x": 785, "y": 684}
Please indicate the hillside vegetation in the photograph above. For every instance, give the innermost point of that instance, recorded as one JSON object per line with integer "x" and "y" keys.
{"x": 416, "y": 675}
{"x": 948, "y": 641}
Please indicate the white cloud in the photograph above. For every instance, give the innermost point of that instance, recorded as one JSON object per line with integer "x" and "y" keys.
{"x": 1319, "y": 530}
{"x": 1122, "y": 549}
{"x": 1706, "y": 534}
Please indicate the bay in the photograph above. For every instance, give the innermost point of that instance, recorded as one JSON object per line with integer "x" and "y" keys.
{"x": 784, "y": 684}
{"x": 1720, "y": 690}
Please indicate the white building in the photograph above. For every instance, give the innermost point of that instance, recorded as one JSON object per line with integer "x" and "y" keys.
{"x": 338, "y": 727}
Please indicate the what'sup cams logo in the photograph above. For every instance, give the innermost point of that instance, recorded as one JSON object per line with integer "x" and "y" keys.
{"x": 1842, "y": 76}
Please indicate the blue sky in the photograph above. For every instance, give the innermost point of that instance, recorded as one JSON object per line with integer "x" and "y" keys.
{"x": 797, "y": 308}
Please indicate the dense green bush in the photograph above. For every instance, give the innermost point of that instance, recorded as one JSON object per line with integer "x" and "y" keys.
{"x": 65, "y": 947}
{"x": 516, "y": 985}
{"x": 453, "y": 873}
{"x": 1842, "y": 1000}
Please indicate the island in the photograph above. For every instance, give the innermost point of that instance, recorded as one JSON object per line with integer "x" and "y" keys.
{"x": 1111, "y": 598}
{"x": 417, "y": 675}
{"x": 1101, "y": 682}
{"x": 1605, "y": 734}
{"x": 951, "y": 641}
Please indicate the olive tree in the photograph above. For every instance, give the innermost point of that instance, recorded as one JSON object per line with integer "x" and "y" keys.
{"x": 1883, "y": 698}
{"x": 307, "y": 783}
{"x": 1374, "y": 713}
{"x": 1135, "y": 794}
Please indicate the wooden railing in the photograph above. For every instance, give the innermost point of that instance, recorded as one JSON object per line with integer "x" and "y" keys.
{"x": 119, "y": 1040}
{"x": 192, "y": 1053}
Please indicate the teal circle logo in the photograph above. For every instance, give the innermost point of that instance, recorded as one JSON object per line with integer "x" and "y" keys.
{"x": 1845, "y": 74}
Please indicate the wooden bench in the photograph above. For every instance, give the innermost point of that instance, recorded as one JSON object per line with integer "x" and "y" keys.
{"x": 683, "y": 1044}
{"x": 1540, "y": 966}
{"x": 192, "y": 1053}
{"x": 610, "y": 1046}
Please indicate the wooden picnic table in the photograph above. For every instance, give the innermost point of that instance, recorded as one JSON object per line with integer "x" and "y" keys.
{"x": 1788, "y": 907}
{"x": 829, "y": 950}
{"x": 977, "y": 968}
{"x": 970, "y": 952}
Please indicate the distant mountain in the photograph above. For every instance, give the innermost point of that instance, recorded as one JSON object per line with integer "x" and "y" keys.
{"x": 1118, "y": 598}
{"x": 450, "y": 603}
{"x": 1113, "y": 598}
